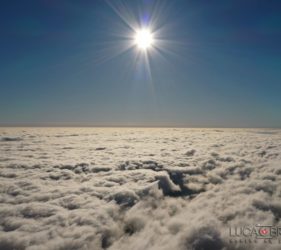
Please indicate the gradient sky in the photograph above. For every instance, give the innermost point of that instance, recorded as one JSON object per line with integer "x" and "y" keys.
{"x": 219, "y": 63}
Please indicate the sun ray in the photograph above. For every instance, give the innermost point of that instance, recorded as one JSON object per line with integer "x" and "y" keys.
{"x": 142, "y": 32}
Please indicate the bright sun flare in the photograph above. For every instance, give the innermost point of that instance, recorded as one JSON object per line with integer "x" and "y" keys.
{"x": 144, "y": 39}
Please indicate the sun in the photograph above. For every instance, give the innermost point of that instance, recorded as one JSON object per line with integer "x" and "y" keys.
{"x": 144, "y": 39}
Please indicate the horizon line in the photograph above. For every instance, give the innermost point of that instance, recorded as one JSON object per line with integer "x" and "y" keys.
{"x": 26, "y": 125}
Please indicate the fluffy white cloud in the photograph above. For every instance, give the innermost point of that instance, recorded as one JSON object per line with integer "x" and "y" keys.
{"x": 136, "y": 188}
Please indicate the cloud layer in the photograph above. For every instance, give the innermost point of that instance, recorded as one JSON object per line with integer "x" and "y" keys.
{"x": 136, "y": 188}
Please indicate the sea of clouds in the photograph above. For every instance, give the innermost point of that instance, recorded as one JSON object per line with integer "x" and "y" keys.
{"x": 137, "y": 188}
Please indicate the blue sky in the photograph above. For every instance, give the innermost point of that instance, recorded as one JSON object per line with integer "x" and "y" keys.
{"x": 217, "y": 65}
